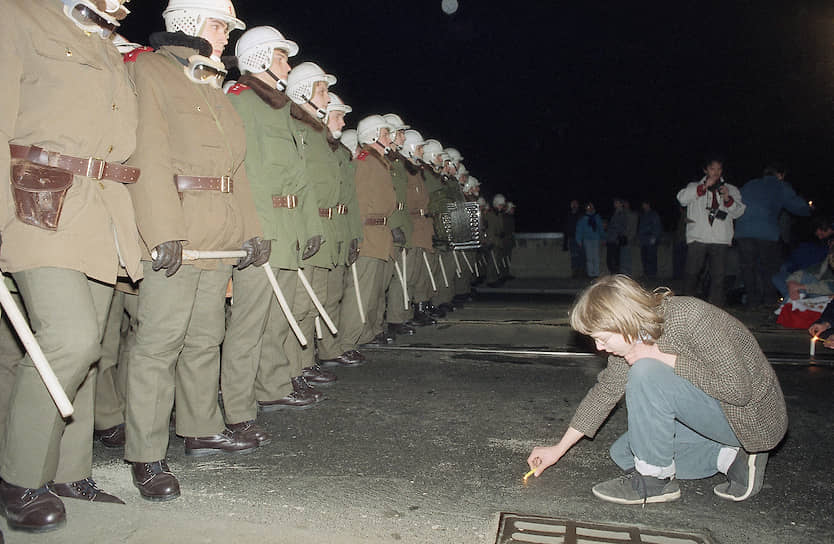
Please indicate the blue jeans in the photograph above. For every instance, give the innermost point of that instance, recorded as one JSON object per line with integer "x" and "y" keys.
{"x": 671, "y": 423}
{"x": 591, "y": 257}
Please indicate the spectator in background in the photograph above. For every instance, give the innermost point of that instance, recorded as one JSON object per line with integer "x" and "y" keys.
{"x": 808, "y": 255}
{"x": 711, "y": 206}
{"x": 589, "y": 232}
{"x": 649, "y": 231}
{"x": 569, "y": 242}
{"x": 616, "y": 237}
{"x": 757, "y": 231}
{"x": 632, "y": 222}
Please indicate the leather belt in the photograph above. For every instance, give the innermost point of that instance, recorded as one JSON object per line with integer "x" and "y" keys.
{"x": 289, "y": 201}
{"x": 223, "y": 184}
{"x": 421, "y": 212}
{"x": 90, "y": 167}
{"x": 341, "y": 209}
{"x": 327, "y": 213}
{"x": 400, "y": 206}
{"x": 376, "y": 221}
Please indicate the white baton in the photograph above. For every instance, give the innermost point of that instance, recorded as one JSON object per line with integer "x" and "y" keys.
{"x": 358, "y": 294}
{"x": 431, "y": 276}
{"x": 317, "y": 302}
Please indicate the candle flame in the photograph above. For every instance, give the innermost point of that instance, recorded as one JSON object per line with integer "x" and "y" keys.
{"x": 815, "y": 338}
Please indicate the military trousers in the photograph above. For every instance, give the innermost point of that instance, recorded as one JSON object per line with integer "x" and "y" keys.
{"x": 180, "y": 324}
{"x": 11, "y": 352}
{"x": 370, "y": 274}
{"x": 273, "y": 372}
{"x": 329, "y": 343}
{"x": 305, "y": 313}
{"x": 111, "y": 381}
{"x": 463, "y": 278}
{"x": 398, "y": 309}
{"x": 389, "y": 278}
{"x": 417, "y": 277}
{"x": 443, "y": 276}
{"x": 67, "y": 312}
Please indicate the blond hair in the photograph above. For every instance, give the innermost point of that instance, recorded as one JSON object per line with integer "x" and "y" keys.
{"x": 620, "y": 305}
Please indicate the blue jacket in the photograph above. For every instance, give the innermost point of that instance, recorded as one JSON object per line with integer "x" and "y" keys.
{"x": 765, "y": 198}
{"x": 584, "y": 230}
{"x": 650, "y": 229}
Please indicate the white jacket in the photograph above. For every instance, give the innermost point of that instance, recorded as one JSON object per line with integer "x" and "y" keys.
{"x": 698, "y": 228}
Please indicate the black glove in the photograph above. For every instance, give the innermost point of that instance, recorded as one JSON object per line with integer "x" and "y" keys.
{"x": 257, "y": 252}
{"x": 399, "y": 236}
{"x": 313, "y": 246}
{"x": 168, "y": 256}
{"x": 353, "y": 252}
{"x": 264, "y": 251}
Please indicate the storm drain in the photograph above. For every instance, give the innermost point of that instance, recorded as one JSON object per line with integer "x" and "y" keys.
{"x": 515, "y": 528}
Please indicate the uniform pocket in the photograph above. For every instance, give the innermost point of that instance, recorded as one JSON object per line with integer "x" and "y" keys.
{"x": 39, "y": 193}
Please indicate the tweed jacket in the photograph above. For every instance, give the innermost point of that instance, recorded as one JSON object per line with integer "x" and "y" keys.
{"x": 719, "y": 356}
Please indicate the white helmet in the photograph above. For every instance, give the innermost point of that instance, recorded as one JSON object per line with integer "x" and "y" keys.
{"x": 431, "y": 149}
{"x": 301, "y": 81}
{"x": 510, "y": 206}
{"x": 471, "y": 184}
{"x": 255, "y": 46}
{"x": 368, "y": 130}
{"x": 498, "y": 200}
{"x": 413, "y": 140}
{"x": 482, "y": 202}
{"x": 454, "y": 155}
{"x": 462, "y": 171}
{"x": 349, "y": 140}
{"x": 189, "y": 16}
{"x": 337, "y": 104}
{"x": 395, "y": 121}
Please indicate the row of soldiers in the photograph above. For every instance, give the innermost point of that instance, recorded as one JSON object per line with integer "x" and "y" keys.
{"x": 143, "y": 172}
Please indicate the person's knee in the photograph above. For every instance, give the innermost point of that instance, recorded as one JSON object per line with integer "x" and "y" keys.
{"x": 646, "y": 374}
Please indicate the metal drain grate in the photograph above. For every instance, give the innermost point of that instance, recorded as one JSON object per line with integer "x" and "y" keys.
{"x": 518, "y": 529}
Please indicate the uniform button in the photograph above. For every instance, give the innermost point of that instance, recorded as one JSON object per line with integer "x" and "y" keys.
{"x": 69, "y": 53}
{"x": 199, "y": 108}
{"x": 109, "y": 149}
{"x": 115, "y": 107}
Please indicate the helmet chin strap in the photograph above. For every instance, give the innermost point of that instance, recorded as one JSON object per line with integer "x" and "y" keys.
{"x": 320, "y": 113}
{"x": 280, "y": 84}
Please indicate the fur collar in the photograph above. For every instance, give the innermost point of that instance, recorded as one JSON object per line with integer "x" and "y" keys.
{"x": 332, "y": 142}
{"x": 272, "y": 96}
{"x": 300, "y": 114}
{"x": 201, "y": 45}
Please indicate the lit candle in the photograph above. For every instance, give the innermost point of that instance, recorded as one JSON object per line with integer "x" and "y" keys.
{"x": 533, "y": 471}
{"x": 813, "y": 345}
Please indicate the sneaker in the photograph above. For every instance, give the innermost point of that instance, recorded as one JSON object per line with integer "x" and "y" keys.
{"x": 745, "y": 477}
{"x": 634, "y": 488}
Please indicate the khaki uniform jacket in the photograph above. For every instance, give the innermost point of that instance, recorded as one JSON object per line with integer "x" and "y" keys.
{"x": 275, "y": 168}
{"x": 67, "y": 92}
{"x": 349, "y": 225}
{"x": 321, "y": 169}
{"x": 399, "y": 177}
{"x": 376, "y": 196}
{"x": 188, "y": 129}
{"x": 417, "y": 201}
{"x": 719, "y": 356}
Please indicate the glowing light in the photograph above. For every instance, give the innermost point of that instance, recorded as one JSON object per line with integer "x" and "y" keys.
{"x": 532, "y": 471}
{"x": 449, "y": 6}
{"x": 814, "y": 345}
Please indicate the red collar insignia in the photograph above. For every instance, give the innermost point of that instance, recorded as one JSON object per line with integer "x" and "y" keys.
{"x": 131, "y": 57}
{"x": 237, "y": 88}
{"x": 362, "y": 155}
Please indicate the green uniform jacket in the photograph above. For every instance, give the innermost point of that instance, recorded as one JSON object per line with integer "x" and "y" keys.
{"x": 494, "y": 229}
{"x": 67, "y": 92}
{"x": 376, "y": 200}
{"x": 322, "y": 172}
{"x": 190, "y": 129}
{"x": 417, "y": 202}
{"x": 349, "y": 223}
{"x": 439, "y": 196}
{"x": 399, "y": 177}
{"x": 275, "y": 169}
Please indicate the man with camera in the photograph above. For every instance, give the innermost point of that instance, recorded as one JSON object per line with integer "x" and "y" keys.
{"x": 711, "y": 206}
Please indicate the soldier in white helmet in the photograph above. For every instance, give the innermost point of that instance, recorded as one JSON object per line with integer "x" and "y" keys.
{"x": 68, "y": 231}
{"x": 254, "y": 370}
{"x": 377, "y": 201}
{"x": 348, "y": 228}
{"x": 194, "y": 194}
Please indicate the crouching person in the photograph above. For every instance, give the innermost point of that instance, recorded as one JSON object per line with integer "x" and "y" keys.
{"x": 701, "y": 396}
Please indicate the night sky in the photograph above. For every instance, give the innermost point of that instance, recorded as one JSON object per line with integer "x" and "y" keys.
{"x": 549, "y": 100}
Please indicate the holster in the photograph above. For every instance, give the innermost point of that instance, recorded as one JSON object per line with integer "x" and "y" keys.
{"x": 39, "y": 193}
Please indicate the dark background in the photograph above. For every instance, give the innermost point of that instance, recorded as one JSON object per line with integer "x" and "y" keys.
{"x": 549, "y": 100}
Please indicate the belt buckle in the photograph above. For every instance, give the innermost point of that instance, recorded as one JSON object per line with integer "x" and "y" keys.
{"x": 225, "y": 184}
{"x": 95, "y": 173}
{"x": 384, "y": 221}
{"x": 292, "y": 201}
{"x": 330, "y": 213}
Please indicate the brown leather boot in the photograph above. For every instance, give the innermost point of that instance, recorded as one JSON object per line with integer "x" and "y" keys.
{"x": 155, "y": 481}
{"x": 225, "y": 442}
{"x": 33, "y": 510}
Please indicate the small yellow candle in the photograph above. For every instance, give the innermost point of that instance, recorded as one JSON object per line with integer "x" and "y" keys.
{"x": 532, "y": 471}
{"x": 813, "y": 345}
